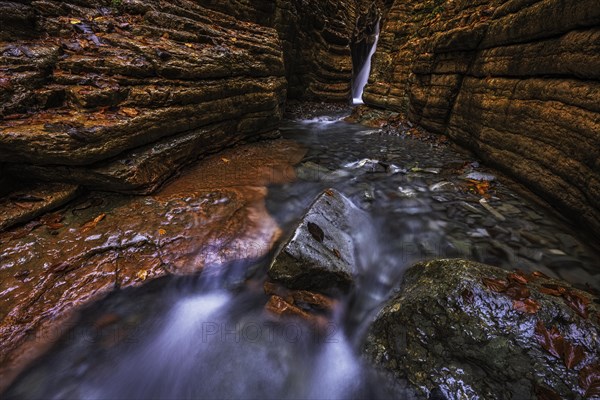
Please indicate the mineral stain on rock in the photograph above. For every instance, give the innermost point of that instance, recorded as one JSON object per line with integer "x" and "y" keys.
{"x": 212, "y": 214}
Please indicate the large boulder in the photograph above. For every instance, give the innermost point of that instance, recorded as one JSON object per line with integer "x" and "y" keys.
{"x": 320, "y": 253}
{"x": 458, "y": 329}
{"x": 517, "y": 82}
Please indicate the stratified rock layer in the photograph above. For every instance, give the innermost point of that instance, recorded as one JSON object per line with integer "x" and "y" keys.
{"x": 518, "y": 82}
{"x": 211, "y": 215}
{"x": 459, "y": 329}
{"x": 317, "y": 38}
{"x": 120, "y": 95}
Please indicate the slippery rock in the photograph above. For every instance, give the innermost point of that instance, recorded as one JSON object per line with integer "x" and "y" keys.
{"x": 32, "y": 200}
{"x": 320, "y": 254}
{"x": 211, "y": 215}
{"x": 516, "y": 82}
{"x": 460, "y": 329}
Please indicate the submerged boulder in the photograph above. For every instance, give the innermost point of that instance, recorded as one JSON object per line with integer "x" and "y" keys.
{"x": 460, "y": 329}
{"x": 320, "y": 254}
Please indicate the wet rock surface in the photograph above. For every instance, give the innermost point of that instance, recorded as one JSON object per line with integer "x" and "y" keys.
{"x": 516, "y": 82}
{"x": 318, "y": 39}
{"x": 30, "y": 201}
{"x": 320, "y": 255}
{"x": 459, "y": 329}
{"x": 212, "y": 214}
{"x": 120, "y": 96}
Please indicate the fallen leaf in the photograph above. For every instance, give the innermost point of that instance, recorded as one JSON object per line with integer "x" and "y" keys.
{"x": 54, "y": 226}
{"x": 551, "y": 292}
{"x": 316, "y": 232}
{"x": 495, "y": 285}
{"x": 314, "y": 299}
{"x": 25, "y": 229}
{"x": 130, "y": 112}
{"x": 517, "y": 277}
{"x": 225, "y": 160}
{"x": 528, "y": 306}
{"x": 25, "y": 206}
{"x": 329, "y": 192}
{"x": 517, "y": 291}
{"x": 538, "y": 274}
{"x": 589, "y": 380}
{"x": 162, "y": 232}
{"x": 577, "y": 302}
{"x": 74, "y": 21}
{"x": 92, "y": 224}
{"x": 188, "y": 45}
{"x": 573, "y": 355}
{"x": 337, "y": 253}
{"x": 544, "y": 393}
{"x": 278, "y": 306}
{"x": 550, "y": 340}
{"x": 142, "y": 274}
{"x": 557, "y": 288}
{"x": 468, "y": 296}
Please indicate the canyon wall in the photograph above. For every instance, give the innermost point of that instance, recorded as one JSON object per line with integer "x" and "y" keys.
{"x": 317, "y": 37}
{"x": 517, "y": 82}
{"x": 118, "y": 95}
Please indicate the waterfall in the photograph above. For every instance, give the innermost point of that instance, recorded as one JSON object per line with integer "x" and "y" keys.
{"x": 363, "y": 75}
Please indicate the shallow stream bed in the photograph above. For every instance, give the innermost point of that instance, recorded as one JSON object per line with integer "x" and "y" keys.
{"x": 208, "y": 336}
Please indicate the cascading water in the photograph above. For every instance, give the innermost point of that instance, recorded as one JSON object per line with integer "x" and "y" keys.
{"x": 361, "y": 79}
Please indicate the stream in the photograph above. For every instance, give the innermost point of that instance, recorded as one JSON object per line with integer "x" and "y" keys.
{"x": 208, "y": 336}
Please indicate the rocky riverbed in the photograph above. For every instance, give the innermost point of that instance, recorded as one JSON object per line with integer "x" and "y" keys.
{"x": 389, "y": 196}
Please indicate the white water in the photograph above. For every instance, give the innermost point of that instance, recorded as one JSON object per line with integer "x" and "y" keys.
{"x": 363, "y": 75}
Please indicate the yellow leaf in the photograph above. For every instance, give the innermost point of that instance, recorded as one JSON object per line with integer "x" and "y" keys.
{"x": 234, "y": 39}
{"x": 188, "y": 44}
{"x": 130, "y": 112}
{"x": 142, "y": 274}
{"x": 92, "y": 224}
{"x": 162, "y": 232}
{"x": 225, "y": 160}
{"x": 75, "y": 21}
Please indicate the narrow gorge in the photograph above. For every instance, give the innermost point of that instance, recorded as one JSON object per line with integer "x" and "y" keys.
{"x": 300, "y": 199}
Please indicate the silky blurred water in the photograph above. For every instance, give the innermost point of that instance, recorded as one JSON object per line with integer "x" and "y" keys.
{"x": 209, "y": 336}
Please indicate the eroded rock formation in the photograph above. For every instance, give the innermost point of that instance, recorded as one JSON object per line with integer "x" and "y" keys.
{"x": 515, "y": 81}
{"x": 317, "y": 37}
{"x": 211, "y": 215}
{"x": 119, "y": 95}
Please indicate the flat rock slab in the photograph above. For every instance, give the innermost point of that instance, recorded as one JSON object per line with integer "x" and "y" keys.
{"x": 31, "y": 201}
{"x": 211, "y": 215}
{"x": 460, "y": 329}
{"x": 320, "y": 254}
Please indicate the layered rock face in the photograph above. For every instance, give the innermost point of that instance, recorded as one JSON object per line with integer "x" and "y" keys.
{"x": 515, "y": 81}
{"x": 317, "y": 38}
{"x": 118, "y": 95}
{"x": 211, "y": 215}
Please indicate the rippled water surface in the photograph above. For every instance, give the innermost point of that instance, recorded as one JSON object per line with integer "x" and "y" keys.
{"x": 209, "y": 337}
